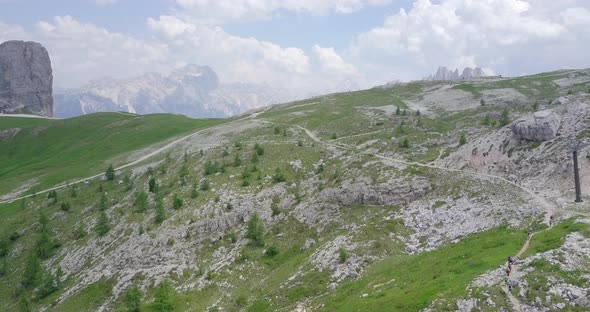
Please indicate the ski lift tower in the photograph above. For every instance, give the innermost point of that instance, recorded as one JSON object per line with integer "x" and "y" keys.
{"x": 577, "y": 146}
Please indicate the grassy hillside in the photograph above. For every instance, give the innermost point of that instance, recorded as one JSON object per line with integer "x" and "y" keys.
{"x": 376, "y": 200}
{"x": 53, "y": 151}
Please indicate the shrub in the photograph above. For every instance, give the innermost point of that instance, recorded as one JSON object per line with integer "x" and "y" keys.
{"x": 418, "y": 113}
{"x": 462, "y": 139}
{"x": 405, "y": 143}
{"x": 44, "y": 245}
{"x": 153, "y": 186}
{"x": 132, "y": 299}
{"x": 163, "y": 298}
{"x": 238, "y": 145}
{"x": 205, "y": 185}
{"x": 194, "y": 192}
{"x": 4, "y": 247}
{"x": 536, "y": 106}
{"x": 505, "y": 120}
{"x": 73, "y": 192}
{"x": 233, "y": 237}
{"x": 398, "y": 111}
{"x": 103, "y": 202}
{"x": 300, "y": 143}
{"x": 177, "y": 202}
{"x": 160, "y": 211}
{"x": 258, "y": 149}
{"x": 272, "y": 251}
{"x": 254, "y": 158}
{"x": 33, "y": 271}
{"x": 342, "y": 255}
{"x": 225, "y": 152}
{"x": 255, "y": 230}
{"x": 110, "y": 173}
{"x": 141, "y": 201}
{"x": 103, "y": 226}
{"x": 278, "y": 177}
{"x": 65, "y": 206}
{"x": 80, "y": 232}
{"x": 482, "y": 102}
{"x": 334, "y": 136}
{"x": 237, "y": 161}
{"x": 277, "y": 130}
{"x": 275, "y": 209}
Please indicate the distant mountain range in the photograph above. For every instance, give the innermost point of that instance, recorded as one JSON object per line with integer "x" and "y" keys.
{"x": 447, "y": 74}
{"x": 192, "y": 90}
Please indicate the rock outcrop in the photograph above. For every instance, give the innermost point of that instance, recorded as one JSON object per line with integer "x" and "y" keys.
{"x": 25, "y": 78}
{"x": 444, "y": 73}
{"x": 540, "y": 126}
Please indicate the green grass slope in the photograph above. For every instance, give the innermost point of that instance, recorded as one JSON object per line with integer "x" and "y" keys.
{"x": 54, "y": 151}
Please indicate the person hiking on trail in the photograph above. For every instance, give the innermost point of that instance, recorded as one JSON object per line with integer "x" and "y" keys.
{"x": 506, "y": 280}
{"x": 508, "y": 272}
{"x": 551, "y": 221}
{"x": 510, "y": 260}
{"x": 530, "y": 234}
{"x": 510, "y": 287}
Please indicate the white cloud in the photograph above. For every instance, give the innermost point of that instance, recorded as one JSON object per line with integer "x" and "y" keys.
{"x": 331, "y": 62}
{"x": 105, "y": 2}
{"x": 217, "y": 11}
{"x": 211, "y": 45}
{"x": 512, "y": 36}
{"x": 81, "y": 51}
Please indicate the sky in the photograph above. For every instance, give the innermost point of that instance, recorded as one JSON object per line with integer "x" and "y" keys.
{"x": 304, "y": 46}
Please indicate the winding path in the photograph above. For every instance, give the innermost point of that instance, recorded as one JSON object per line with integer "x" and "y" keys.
{"x": 549, "y": 208}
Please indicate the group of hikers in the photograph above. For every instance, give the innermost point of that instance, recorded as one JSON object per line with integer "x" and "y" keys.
{"x": 512, "y": 261}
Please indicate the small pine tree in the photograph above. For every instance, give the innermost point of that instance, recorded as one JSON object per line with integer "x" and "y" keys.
{"x": 405, "y": 143}
{"x": 334, "y": 136}
{"x": 418, "y": 113}
{"x": 110, "y": 173}
{"x": 254, "y": 158}
{"x": 271, "y": 251}
{"x": 80, "y": 232}
{"x": 33, "y": 271}
{"x": 44, "y": 246}
{"x": 505, "y": 120}
{"x": 163, "y": 298}
{"x": 462, "y": 139}
{"x": 486, "y": 121}
{"x": 43, "y": 223}
{"x": 103, "y": 226}
{"x": 255, "y": 230}
{"x": 300, "y": 143}
{"x": 73, "y": 192}
{"x": 177, "y": 202}
{"x": 277, "y": 130}
{"x": 259, "y": 149}
{"x": 225, "y": 153}
{"x": 132, "y": 299}
{"x": 342, "y": 255}
{"x": 103, "y": 202}
{"x": 278, "y": 177}
{"x": 398, "y": 111}
{"x": 24, "y": 304}
{"x": 194, "y": 192}
{"x": 482, "y": 102}
{"x": 65, "y": 206}
{"x": 237, "y": 161}
{"x": 160, "y": 211}
{"x": 140, "y": 202}
{"x": 536, "y": 106}
{"x": 404, "y": 112}
{"x": 153, "y": 185}
{"x": 275, "y": 209}
{"x": 205, "y": 185}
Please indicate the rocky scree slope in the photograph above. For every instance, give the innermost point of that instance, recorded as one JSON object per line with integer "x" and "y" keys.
{"x": 335, "y": 192}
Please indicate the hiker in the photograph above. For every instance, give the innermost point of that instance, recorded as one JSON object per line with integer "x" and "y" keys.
{"x": 508, "y": 272}
{"x": 551, "y": 221}
{"x": 510, "y": 287}
{"x": 506, "y": 280}
{"x": 530, "y": 234}
{"x": 510, "y": 260}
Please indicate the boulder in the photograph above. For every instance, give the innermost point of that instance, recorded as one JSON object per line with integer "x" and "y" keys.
{"x": 25, "y": 78}
{"x": 540, "y": 126}
{"x": 562, "y": 100}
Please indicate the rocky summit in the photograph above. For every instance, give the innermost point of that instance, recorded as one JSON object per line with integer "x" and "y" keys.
{"x": 443, "y": 73}
{"x": 25, "y": 78}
